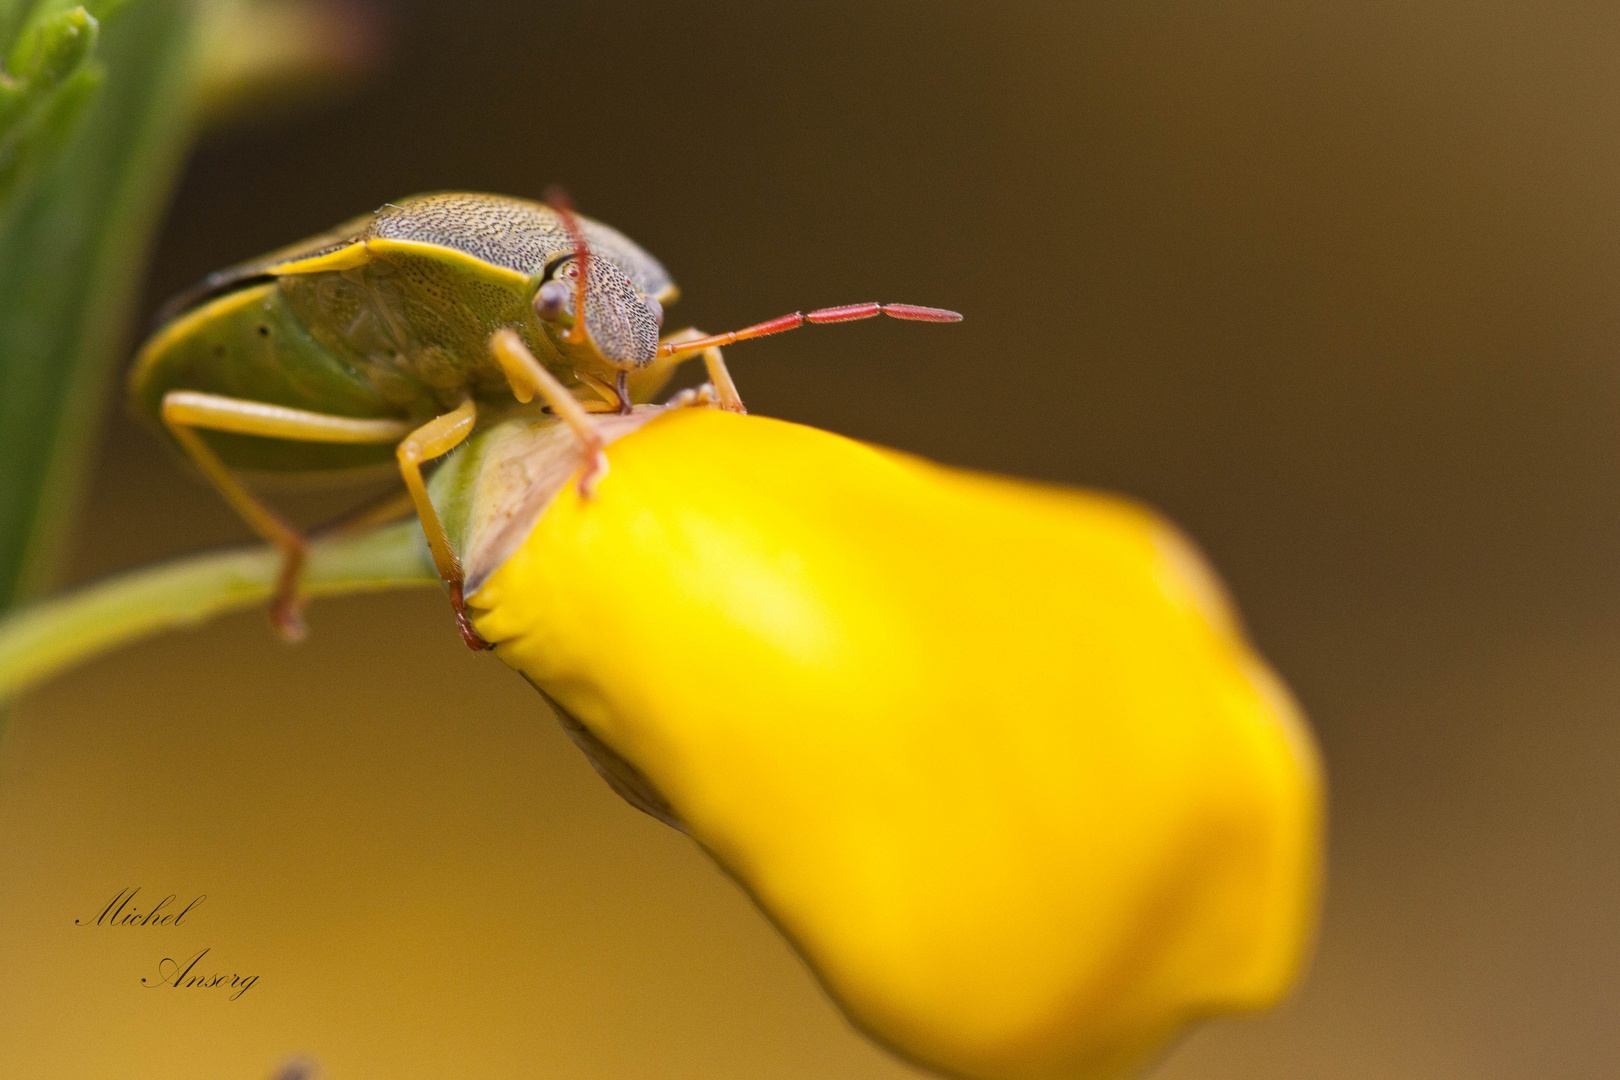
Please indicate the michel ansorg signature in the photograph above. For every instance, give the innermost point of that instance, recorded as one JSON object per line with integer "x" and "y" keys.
{"x": 189, "y": 971}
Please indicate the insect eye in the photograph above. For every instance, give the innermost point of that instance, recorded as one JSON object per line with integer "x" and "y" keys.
{"x": 551, "y": 300}
{"x": 571, "y": 271}
{"x": 657, "y": 309}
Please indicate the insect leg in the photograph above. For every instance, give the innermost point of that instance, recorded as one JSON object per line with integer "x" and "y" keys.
{"x": 529, "y": 377}
{"x": 185, "y": 411}
{"x": 719, "y": 375}
{"x": 439, "y": 436}
{"x": 612, "y": 400}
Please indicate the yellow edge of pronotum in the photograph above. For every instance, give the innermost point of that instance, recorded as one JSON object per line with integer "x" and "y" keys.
{"x": 344, "y": 258}
{"x": 359, "y": 254}
{"x": 439, "y": 251}
{"x": 363, "y": 251}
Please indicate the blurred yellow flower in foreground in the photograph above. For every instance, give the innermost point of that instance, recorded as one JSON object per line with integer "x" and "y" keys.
{"x": 994, "y": 756}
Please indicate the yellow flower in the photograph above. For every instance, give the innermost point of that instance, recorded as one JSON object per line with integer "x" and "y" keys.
{"x": 994, "y": 756}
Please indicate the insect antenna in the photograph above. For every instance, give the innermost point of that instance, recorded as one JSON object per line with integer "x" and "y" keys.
{"x": 821, "y": 316}
{"x": 557, "y": 198}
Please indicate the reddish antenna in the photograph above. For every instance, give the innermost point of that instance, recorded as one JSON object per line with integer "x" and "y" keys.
{"x": 845, "y": 313}
{"x": 557, "y": 198}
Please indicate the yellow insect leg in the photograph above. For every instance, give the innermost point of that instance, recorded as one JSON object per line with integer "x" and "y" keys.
{"x": 185, "y": 411}
{"x": 719, "y": 376}
{"x": 529, "y": 377}
{"x": 612, "y": 400}
{"x": 439, "y": 436}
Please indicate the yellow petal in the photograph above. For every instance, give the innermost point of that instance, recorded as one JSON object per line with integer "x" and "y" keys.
{"x": 994, "y": 756}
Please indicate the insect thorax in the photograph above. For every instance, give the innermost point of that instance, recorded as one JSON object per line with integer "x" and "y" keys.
{"x": 418, "y": 327}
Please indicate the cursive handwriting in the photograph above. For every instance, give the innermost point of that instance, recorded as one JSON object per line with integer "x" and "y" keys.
{"x": 115, "y": 913}
{"x": 125, "y": 909}
{"x": 171, "y": 974}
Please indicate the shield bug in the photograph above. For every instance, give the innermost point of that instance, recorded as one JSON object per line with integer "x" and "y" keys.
{"x": 397, "y": 333}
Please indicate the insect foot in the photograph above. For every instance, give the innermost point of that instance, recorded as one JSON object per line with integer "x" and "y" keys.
{"x": 287, "y": 619}
{"x": 286, "y": 605}
{"x": 463, "y": 624}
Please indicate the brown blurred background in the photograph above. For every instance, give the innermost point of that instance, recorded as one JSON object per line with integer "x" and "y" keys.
{"x": 1334, "y": 285}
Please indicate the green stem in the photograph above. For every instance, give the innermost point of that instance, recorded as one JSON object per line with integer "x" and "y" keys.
{"x": 44, "y": 638}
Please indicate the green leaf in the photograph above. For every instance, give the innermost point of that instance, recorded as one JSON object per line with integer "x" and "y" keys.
{"x": 32, "y": 145}
{"x": 92, "y": 174}
{"x": 46, "y": 88}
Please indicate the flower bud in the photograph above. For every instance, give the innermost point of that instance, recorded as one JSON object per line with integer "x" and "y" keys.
{"x": 994, "y": 756}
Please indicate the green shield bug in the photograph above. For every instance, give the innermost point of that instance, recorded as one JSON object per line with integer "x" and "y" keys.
{"x": 397, "y": 333}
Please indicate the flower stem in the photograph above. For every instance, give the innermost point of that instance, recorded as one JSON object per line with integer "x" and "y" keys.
{"x": 51, "y": 635}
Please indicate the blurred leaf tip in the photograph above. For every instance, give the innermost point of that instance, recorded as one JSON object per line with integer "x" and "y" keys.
{"x": 271, "y": 57}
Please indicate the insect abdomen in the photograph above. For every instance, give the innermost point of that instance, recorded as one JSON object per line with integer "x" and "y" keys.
{"x": 249, "y": 344}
